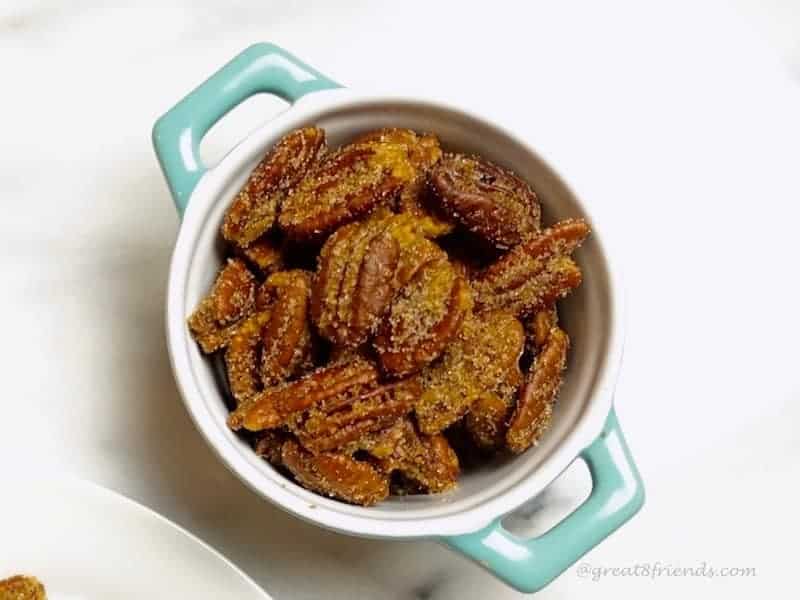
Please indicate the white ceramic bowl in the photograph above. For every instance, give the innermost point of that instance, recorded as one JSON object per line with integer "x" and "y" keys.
{"x": 592, "y": 316}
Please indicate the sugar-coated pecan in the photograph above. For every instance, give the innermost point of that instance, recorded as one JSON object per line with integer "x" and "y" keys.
{"x": 533, "y": 275}
{"x": 336, "y": 475}
{"x": 268, "y": 444}
{"x": 346, "y": 185}
{"x": 264, "y": 256}
{"x": 484, "y": 358}
{"x": 486, "y": 199}
{"x": 426, "y": 460}
{"x": 539, "y": 325}
{"x": 424, "y": 316}
{"x": 329, "y": 386}
{"x": 256, "y": 206}
{"x": 241, "y": 357}
{"x": 361, "y": 267}
{"x": 287, "y": 337}
{"x": 534, "y": 409}
{"x": 231, "y": 298}
{"x": 333, "y": 424}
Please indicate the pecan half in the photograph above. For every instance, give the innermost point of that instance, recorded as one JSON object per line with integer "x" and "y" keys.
{"x": 423, "y": 318}
{"x": 255, "y": 207}
{"x": 231, "y": 298}
{"x": 361, "y": 266}
{"x": 241, "y": 357}
{"x": 535, "y": 274}
{"x": 484, "y": 358}
{"x": 287, "y": 338}
{"x": 334, "y": 424}
{"x": 346, "y": 185}
{"x": 264, "y": 255}
{"x": 329, "y": 385}
{"x": 486, "y": 199}
{"x": 426, "y": 460}
{"x": 268, "y": 444}
{"x": 336, "y": 475}
{"x": 534, "y": 409}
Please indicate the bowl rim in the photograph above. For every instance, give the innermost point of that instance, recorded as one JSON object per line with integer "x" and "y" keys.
{"x": 291, "y": 497}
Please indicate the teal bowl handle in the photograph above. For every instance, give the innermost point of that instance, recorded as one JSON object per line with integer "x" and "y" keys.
{"x": 529, "y": 565}
{"x": 261, "y": 68}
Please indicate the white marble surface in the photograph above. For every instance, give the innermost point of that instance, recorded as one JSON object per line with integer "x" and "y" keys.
{"x": 680, "y": 120}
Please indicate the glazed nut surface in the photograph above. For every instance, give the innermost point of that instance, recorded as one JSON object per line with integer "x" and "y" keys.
{"x": 255, "y": 208}
{"x": 488, "y": 200}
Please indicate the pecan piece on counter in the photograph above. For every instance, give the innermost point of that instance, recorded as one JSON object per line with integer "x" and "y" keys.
{"x": 288, "y": 346}
{"x": 534, "y": 409}
{"x": 426, "y": 460}
{"x": 331, "y": 384}
{"x": 488, "y": 200}
{"x": 231, "y": 298}
{"x": 346, "y": 185}
{"x": 360, "y": 268}
{"x": 424, "y": 316}
{"x": 336, "y": 475}
{"x": 338, "y": 422}
{"x": 484, "y": 358}
{"x": 535, "y": 274}
{"x": 256, "y": 206}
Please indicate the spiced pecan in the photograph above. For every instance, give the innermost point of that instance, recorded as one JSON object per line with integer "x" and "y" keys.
{"x": 334, "y": 424}
{"x": 231, "y": 298}
{"x": 484, "y": 358}
{"x": 486, "y": 199}
{"x": 287, "y": 338}
{"x": 346, "y": 185}
{"x": 336, "y": 475}
{"x": 426, "y": 460}
{"x": 424, "y": 316}
{"x": 264, "y": 255}
{"x": 256, "y": 206}
{"x": 241, "y": 357}
{"x": 535, "y": 274}
{"x": 361, "y": 267}
{"x": 268, "y": 444}
{"x": 330, "y": 385}
{"x": 534, "y": 409}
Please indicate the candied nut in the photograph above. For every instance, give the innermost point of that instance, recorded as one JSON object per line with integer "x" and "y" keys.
{"x": 486, "y": 420}
{"x": 540, "y": 324}
{"x": 268, "y": 444}
{"x": 253, "y": 211}
{"x": 346, "y": 185}
{"x": 484, "y": 358}
{"x": 231, "y": 298}
{"x": 535, "y": 274}
{"x": 241, "y": 357}
{"x": 486, "y": 199}
{"x": 422, "y": 319}
{"x": 534, "y": 409}
{"x": 329, "y": 385}
{"x": 361, "y": 266}
{"x": 334, "y": 424}
{"x": 22, "y": 587}
{"x": 336, "y": 475}
{"x": 287, "y": 336}
{"x": 264, "y": 255}
{"x": 427, "y": 460}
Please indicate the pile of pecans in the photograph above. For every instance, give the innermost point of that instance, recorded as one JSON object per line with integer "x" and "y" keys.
{"x": 383, "y": 304}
